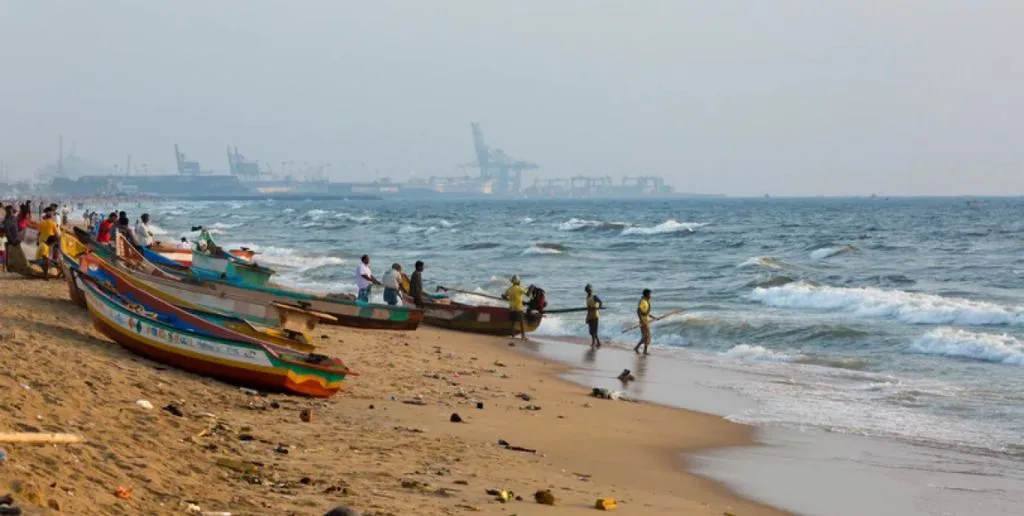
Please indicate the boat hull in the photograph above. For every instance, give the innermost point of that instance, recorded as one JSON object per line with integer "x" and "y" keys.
{"x": 233, "y": 362}
{"x": 487, "y": 320}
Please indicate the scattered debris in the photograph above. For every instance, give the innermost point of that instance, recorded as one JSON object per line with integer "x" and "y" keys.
{"x": 3, "y": 455}
{"x": 371, "y": 407}
{"x": 144, "y": 404}
{"x": 123, "y": 493}
{"x": 173, "y": 409}
{"x": 193, "y": 509}
{"x": 511, "y": 344}
{"x": 531, "y": 407}
{"x": 505, "y": 444}
{"x": 544, "y": 497}
{"x": 524, "y": 396}
{"x": 607, "y": 394}
{"x": 250, "y": 392}
{"x": 416, "y": 401}
{"x": 281, "y": 448}
{"x": 455, "y": 418}
{"x": 480, "y": 405}
{"x": 626, "y": 376}
{"x": 606, "y": 504}
{"x": 461, "y": 482}
{"x": 306, "y": 416}
{"x": 275, "y": 405}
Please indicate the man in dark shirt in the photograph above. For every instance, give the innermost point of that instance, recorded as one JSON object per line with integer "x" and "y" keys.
{"x": 10, "y": 224}
{"x": 416, "y": 285}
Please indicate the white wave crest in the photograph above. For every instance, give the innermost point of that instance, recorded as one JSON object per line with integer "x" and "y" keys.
{"x": 287, "y": 257}
{"x": 988, "y": 347}
{"x": 760, "y": 261}
{"x": 405, "y": 230}
{"x": 669, "y": 226}
{"x": 221, "y": 225}
{"x": 446, "y": 224}
{"x": 526, "y": 220}
{"x": 908, "y": 307}
{"x": 534, "y": 249}
{"x": 574, "y": 224}
{"x": 753, "y": 353}
{"x": 360, "y": 219}
{"x": 828, "y": 252}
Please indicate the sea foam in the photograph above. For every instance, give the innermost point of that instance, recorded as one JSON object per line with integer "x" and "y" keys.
{"x": 988, "y": 347}
{"x": 908, "y": 307}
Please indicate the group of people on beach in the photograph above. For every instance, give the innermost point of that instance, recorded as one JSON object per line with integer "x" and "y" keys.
{"x": 18, "y": 219}
{"x": 521, "y": 302}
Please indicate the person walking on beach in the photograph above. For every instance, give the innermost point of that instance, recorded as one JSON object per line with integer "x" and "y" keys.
{"x": 594, "y": 306}
{"x": 392, "y": 281}
{"x": 643, "y": 312}
{"x": 416, "y": 285}
{"x": 514, "y": 294}
{"x": 364, "y": 279}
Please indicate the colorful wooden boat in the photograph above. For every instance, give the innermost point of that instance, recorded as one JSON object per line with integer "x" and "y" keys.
{"x": 161, "y": 332}
{"x": 210, "y": 261}
{"x": 293, "y": 329}
{"x": 259, "y": 305}
{"x": 490, "y": 320}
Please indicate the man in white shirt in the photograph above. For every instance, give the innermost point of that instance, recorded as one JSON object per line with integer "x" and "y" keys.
{"x": 364, "y": 279}
{"x": 392, "y": 281}
{"x": 143, "y": 234}
{"x": 184, "y": 244}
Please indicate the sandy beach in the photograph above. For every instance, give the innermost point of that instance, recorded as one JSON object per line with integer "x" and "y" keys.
{"x": 367, "y": 448}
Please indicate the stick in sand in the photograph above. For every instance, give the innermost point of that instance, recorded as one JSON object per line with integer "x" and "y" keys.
{"x": 656, "y": 319}
{"x": 40, "y": 438}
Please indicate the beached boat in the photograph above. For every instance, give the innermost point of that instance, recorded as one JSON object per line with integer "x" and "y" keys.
{"x": 490, "y": 320}
{"x": 162, "y": 332}
{"x": 293, "y": 329}
{"x": 259, "y": 304}
{"x": 210, "y": 261}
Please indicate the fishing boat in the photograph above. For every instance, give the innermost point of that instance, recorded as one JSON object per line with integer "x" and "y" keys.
{"x": 259, "y": 304}
{"x": 293, "y": 329}
{"x": 490, "y": 320}
{"x": 157, "y": 330}
{"x": 210, "y": 261}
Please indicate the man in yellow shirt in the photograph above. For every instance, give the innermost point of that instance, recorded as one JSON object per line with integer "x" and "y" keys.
{"x": 47, "y": 227}
{"x": 643, "y": 312}
{"x": 514, "y": 294}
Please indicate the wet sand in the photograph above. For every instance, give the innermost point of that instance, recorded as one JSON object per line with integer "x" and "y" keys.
{"x": 364, "y": 448}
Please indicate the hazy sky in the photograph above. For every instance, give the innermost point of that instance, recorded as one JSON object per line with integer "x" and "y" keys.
{"x": 738, "y": 97}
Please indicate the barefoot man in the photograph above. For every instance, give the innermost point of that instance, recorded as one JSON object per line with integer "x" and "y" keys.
{"x": 643, "y": 312}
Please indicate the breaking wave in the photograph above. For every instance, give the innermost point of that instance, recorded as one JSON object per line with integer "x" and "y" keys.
{"x": 545, "y": 248}
{"x": 987, "y": 347}
{"x": 908, "y": 307}
{"x": 828, "y": 252}
{"x": 752, "y": 353}
{"x": 575, "y": 224}
{"x": 669, "y": 226}
{"x": 766, "y": 262}
{"x": 359, "y": 219}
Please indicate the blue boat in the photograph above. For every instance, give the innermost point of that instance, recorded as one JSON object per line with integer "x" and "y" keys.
{"x": 211, "y": 262}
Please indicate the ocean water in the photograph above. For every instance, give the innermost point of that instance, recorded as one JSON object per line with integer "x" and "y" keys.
{"x": 900, "y": 319}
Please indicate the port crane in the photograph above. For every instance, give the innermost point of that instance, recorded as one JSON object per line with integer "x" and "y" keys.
{"x": 505, "y": 171}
